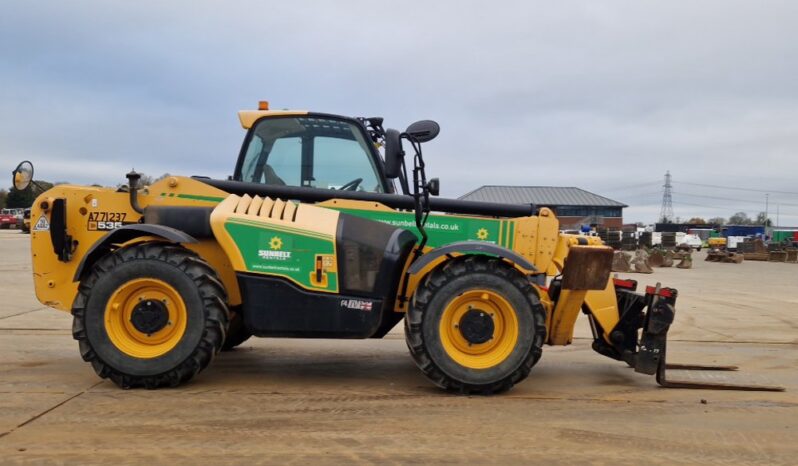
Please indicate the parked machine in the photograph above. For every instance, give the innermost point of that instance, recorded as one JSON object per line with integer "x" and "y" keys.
{"x": 315, "y": 235}
{"x": 25, "y": 222}
{"x": 717, "y": 243}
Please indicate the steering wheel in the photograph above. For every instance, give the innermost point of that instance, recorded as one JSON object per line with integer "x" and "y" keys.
{"x": 352, "y": 185}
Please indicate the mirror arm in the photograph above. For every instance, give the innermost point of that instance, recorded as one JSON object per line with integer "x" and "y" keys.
{"x": 41, "y": 188}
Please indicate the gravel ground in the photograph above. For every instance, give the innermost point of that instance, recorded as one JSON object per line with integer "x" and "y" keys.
{"x": 323, "y": 401}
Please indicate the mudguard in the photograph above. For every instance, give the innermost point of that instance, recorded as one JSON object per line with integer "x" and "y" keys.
{"x": 471, "y": 247}
{"x": 125, "y": 234}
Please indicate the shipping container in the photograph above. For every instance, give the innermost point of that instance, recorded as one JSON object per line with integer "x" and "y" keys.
{"x": 781, "y": 235}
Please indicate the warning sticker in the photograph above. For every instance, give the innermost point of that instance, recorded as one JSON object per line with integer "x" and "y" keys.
{"x": 42, "y": 224}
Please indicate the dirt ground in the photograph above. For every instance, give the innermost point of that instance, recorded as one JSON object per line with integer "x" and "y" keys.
{"x": 308, "y": 402}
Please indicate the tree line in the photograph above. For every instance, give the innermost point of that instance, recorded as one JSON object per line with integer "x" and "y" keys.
{"x": 739, "y": 218}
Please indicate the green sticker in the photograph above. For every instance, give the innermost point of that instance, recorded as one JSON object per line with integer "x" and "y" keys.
{"x": 443, "y": 229}
{"x": 288, "y": 252}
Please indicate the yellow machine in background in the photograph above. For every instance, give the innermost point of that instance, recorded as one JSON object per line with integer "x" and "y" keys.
{"x": 317, "y": 236}
{"x": 716, "y": 243}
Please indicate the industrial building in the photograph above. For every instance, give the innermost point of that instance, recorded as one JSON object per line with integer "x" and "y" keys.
{"x": 574, "y": 206}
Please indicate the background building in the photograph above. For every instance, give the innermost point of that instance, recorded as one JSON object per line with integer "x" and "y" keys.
{"x": 574, "y": 206}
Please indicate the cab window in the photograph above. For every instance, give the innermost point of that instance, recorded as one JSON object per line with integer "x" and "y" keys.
{"x": 312, "y": 152}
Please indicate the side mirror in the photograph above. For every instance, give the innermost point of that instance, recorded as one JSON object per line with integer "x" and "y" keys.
{"x": 393, "y": 153}
{"x": 424, "y": 130}
{"x": 23, "y": 176}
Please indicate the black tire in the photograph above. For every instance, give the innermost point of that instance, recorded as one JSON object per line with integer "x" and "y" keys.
{"x": 204, "y": 299}
{"x": 422, "y": 325}
{"x": 237, "y": 333}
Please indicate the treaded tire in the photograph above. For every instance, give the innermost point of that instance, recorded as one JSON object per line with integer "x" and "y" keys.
{"x": 443, "y": 285}
{"x": 206, "y": 308}
{"x": 237, "y": 333}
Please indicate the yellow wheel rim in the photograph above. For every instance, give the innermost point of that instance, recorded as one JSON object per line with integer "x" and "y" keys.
{"x": 130, "y": 340}
{"x": 479, "y": 355}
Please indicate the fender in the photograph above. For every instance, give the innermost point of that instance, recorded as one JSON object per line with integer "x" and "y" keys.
{"x": 473, "y": 247}
{"x": 125, "y": 234}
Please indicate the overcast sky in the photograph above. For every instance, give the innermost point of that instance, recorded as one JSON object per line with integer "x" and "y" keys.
{"x": 603, "y": 95}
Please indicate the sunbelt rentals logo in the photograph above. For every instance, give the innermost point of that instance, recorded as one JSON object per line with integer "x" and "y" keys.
{"x": 275, "y": 251}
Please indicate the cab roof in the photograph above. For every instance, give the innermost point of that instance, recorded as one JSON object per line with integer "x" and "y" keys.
{"x": 249, "y": 117}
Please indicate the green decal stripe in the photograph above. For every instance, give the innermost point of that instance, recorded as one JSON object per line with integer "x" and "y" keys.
{"x": 196, "y": 197}
{"x": 272, "y": 226}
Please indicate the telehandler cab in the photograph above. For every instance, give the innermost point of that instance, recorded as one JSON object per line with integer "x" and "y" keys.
{"x": 315, "y": 235}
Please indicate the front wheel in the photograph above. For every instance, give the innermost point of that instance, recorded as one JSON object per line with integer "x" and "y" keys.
{"x": 150, "y": 315}
{"x": 476, "y": 326}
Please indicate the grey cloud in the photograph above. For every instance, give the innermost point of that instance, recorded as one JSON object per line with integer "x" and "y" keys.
{"x": 600, "y": 94}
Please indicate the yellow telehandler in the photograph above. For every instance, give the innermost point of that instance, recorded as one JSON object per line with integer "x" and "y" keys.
{"x": 316, "y": 235}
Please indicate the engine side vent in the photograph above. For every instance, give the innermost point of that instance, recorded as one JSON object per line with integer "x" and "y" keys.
{"x": 267, "y": 207}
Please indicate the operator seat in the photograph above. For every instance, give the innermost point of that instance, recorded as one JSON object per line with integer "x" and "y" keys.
{"x": 270, "y": 176}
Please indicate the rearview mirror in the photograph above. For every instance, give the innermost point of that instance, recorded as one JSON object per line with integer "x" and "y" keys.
{"x": 23, "y": 176}
{"x": 393, "y": 153}
{"x": 424, "y": 130}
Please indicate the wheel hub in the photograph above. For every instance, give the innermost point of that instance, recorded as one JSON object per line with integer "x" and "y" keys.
{"x": 149, "y": 316}
{"x": 476, "y": 326}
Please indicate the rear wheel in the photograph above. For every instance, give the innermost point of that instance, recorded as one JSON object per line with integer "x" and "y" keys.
{"x": 476, "y": 326}
{"x": 150, "y": 315}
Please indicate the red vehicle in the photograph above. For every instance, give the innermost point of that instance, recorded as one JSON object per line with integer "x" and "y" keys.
{"x": 8, "y": 218}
